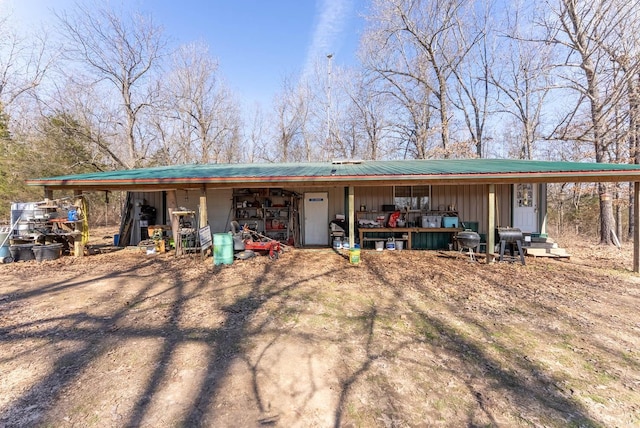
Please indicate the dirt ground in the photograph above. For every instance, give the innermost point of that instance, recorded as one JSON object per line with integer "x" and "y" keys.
{"x": 405, "y": 338}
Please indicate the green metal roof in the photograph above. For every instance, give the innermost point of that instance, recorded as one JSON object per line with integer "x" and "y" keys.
{"x": 357, "y": 172}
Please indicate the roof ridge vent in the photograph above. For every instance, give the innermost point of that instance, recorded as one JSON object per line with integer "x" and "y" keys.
{"x": 346, "y": 161}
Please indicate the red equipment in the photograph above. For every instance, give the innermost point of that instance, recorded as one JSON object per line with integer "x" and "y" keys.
{"x": 254, "y": 241}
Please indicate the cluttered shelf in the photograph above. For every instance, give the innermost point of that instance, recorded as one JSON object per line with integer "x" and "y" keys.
{"x": 267, "y": 212}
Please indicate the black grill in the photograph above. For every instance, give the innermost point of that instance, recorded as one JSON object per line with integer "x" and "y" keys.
{"x": 510, "y": 237}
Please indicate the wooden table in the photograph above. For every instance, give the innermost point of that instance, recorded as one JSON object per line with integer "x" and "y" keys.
{"x": 363, "y": 231}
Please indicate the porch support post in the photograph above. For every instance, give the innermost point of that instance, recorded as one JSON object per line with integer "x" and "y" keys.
{"x": 78, "y": 245}
{"x": 542, "y": 207}
{"x": 636, "y": 228}
{"x": 204, "y": 219}
{"x": 48, "y": 193}
{"x": 172, "y": 205}
{"x": 352, "y": 215}
{"x": 491, "y": 217}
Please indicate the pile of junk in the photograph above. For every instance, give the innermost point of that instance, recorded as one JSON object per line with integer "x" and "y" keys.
{"x": 45, "y": 230}
{"x": 247, "y": 241}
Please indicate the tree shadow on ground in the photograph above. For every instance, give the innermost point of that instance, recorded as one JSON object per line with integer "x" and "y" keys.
{"x": 529, "y": 386}
{"x": 98, "y": 333}
{"x": 536, "y": 389}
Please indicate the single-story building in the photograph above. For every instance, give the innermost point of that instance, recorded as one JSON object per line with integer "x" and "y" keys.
{"x": 296, "y": 202}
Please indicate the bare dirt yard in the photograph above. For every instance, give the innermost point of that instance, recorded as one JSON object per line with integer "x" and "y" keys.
{"x": 405, "y": 338}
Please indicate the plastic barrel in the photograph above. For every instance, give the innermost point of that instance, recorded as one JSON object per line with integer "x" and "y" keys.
{"x": 354, "y": 255}
{"x": 222, "y": 248}
{"x": 4, "y": 249}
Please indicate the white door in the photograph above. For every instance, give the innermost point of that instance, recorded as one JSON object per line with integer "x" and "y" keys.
{"x": 525, "y": 207}
{"x": 316, "y": 218}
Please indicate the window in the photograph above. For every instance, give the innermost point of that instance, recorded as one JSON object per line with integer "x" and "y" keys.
{"x": 524, "y": 195}
{"x": 411, "y": 197}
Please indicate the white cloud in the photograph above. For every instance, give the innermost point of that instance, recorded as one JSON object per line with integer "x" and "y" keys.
{"x": 333, "y": 18}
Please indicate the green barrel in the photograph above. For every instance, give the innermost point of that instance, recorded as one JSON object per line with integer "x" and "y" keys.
{"x": 222, "y": 248}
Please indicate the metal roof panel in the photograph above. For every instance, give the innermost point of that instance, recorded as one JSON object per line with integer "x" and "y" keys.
{"x": 401, "y": 170}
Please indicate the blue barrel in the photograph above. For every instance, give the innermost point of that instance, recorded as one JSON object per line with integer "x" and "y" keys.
{"x": 4, "y": 245}
{"x": 222, "y": 248}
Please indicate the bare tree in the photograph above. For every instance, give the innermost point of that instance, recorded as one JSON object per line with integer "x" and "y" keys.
{"x": 207, "y": 114}
{"x": 256, "y": 146}
{"x": 587, "y": 31}
{"x": 472, "y": 89}
{"x": 24, "y": 62}
{"x": 119, "y": 56}
{"x": 522, "y": 75}
{"x": 367, "y": 116}
{"x": 625, "y": 55}
{"x": 403, "y": 81}
{"x": 291, "y": 114}
{"x": 424, "y": 43}
{"x": 91, "y": 117}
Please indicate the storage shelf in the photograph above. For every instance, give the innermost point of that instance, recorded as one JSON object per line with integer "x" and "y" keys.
{"x": 263, "y": 215}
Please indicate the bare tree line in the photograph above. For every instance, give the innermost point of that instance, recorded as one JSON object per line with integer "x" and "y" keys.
{"x": 436, "y": 79}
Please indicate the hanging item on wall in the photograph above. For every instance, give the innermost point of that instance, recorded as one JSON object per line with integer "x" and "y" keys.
{"x": 393, "y": 218}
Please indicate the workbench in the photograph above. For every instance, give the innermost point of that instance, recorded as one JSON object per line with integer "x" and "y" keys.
{"x": 401, "y": 231}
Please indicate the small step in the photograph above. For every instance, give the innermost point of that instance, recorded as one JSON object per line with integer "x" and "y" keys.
{"x": 548, "y": 252}
{"x": 547, "y": 245}
{"x": 560, "y": 252}
{"x": 539, "y": 252}
{"x": 543, "y": 240}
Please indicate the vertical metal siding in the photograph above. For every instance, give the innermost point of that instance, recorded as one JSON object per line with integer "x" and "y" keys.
{"x": 373, "y": 197}
{"x": 472, "y": 204}
{"x": 219, "y": 209}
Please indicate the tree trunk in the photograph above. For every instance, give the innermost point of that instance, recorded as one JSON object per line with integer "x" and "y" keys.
{"x": 618, "y": 211}
{"x": 606, "y": 214}
{"x": 634, "y": 141}
{"x": 444, "y": 112}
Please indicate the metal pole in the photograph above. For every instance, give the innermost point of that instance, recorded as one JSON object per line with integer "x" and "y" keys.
{"x": 329, "y": 57}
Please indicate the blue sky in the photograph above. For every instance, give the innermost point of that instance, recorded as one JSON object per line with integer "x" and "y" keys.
{"x": 257, "y": 42}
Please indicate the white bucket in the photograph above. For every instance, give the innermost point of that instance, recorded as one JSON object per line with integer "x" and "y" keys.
{"x": 399, "y": 245}
{"x": 379, "y": 245}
